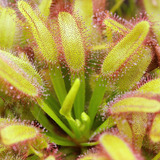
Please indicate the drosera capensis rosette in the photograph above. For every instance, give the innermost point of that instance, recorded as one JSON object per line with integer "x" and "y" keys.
{"x": 88, "y": 96}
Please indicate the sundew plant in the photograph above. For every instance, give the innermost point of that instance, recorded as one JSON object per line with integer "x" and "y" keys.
{"x": 79, "y": 80}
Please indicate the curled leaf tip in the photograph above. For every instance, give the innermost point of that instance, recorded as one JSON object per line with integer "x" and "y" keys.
{"x": 69, "y": 100}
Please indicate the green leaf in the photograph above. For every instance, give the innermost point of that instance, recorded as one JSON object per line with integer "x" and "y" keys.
{"x": 96, "y": 98}
{"x": 110, "y": 122}
{"x": 71, "y": 41}
{"x": 155, "y": 129}
{"x": 89, "y": 144}
{"x": 66, "y": 108}
{"x": 133, "y": 70}
{"x": 41, "y": 118}
{"x": 34, "y": 151}
{"x": 153, "y": 10}
{"x": 135, "y": 104}
{"x": 59, "y": 140}
{"x": 8, "y": 25}
{"x": 116, "y": 6}
{"x": 157, "y": 157}
{"x": 85, "y": 127}
{"x": 51, "y": 113}
{"x": 13, "y": 134}
{"x": 139, "y": 125}
{"x": 44, "y": 39}
{"x": 58, "y": 82}
{"x": 93, "y": 156}
{"x": 20, "y": 75}
{"x": 44, "y": 7}
{"x": 115, "y": 27}
{"x": 50, "y": 158}
{"x": 151, "y": 87}
{"x": 115, "y": 147}
{"x": 124, "y": 128}
{"x": 83, "y": 9}
{"x": 125, "y": 48}
{"x": 2, "y": 148}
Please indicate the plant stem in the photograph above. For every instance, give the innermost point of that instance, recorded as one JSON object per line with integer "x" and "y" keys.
{"x": 96, "y": 98}
{"x": 58, "y": 82}
{"x": 59, "y": 140}
{"x": 50, "y": 112}
{"x": 90, "y": 144}
{"x": 116, "y": 6}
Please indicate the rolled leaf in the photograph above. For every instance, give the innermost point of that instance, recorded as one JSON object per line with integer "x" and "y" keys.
{"x": 69, "y": 100}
